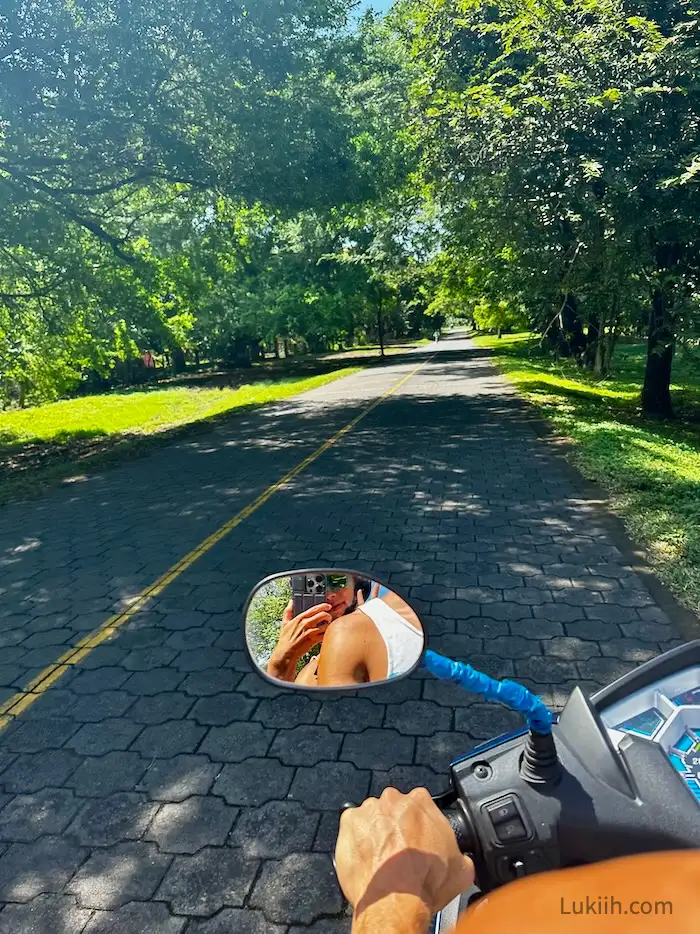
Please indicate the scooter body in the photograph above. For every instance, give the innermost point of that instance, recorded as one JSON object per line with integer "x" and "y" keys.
{"x": 615, "y": 774}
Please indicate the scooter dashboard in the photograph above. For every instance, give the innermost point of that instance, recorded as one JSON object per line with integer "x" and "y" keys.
{"x": 667, "y": 713}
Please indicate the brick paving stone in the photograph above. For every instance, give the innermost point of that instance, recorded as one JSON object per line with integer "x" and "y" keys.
{"x": 44, "y": 866}
{"x": 274, "y": 830}
{"x": 210, "y": 681}
{"x": 305, "y": 745}
{"x": 236, "y": 742}
{"x": 95, "y": 739}
{"x": 100, "y": 707}
{"x": 136, "y": 918}
{"x": 323, "y": 926}
{"x": 27, "y": 817}
{"x": 177, "y": 778}
{"x": 287, "y": 711}
{"x": 238, "y": 920}
{"x": 420, "y": 718}
{"x": 98, "y": 680}
{"x": 37, "y": 735}
{"x": 157, "y": 708}
{"x": 47, "y": 914}
{"x": 113, "y": 877}
{"x": 282, "y": 889}
{"x": 222, "y": 709}
{"x": 153, "y": 682}
{"x": 437, "y": 752}
{"x": 329, "y": 785}
{"x": 30, "y": 772}
{"x": 167, "y": 739}
{"x": 253, "y": 782}
{"x": 208, "y": 881}
{"x": 100, "y": 776}
{"x": 190, "y": 825}
{"x": 110, "y": 820}
{"x": 482, "y": 721}
{"x": 378, "y": 749}
{"x": 571, "y": 647}
{"x": 351, "y": 714}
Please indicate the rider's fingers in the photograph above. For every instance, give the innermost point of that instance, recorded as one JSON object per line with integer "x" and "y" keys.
{"x": 287, "y": 613}
{"x": 313, "y": 610}
{"x": 314, "y": 636}
{"x": 318, "y": 617}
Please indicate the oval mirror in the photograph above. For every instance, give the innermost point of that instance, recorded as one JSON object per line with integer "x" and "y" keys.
{"x": 330, "y": 629}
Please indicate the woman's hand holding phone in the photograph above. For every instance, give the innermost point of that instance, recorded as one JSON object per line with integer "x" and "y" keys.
{"x": 298, "y": 634}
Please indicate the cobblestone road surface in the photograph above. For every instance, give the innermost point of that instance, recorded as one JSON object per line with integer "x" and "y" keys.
{"x": 160, "y": 787}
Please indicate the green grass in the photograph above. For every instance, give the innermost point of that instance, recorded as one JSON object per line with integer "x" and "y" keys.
{"x": 650, "y": 469}
{"x": 48, "y": 443}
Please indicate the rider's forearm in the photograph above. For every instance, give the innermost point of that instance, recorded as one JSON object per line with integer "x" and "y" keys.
{"x": 281, "y": 667}
{"x": 399, "y": 913}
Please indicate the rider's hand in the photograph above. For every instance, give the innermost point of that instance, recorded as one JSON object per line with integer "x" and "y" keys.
{"x": 298, "y": 634}
{"x": 400, "y": 844}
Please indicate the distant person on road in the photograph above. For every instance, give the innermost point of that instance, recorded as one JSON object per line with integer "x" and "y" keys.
{"x": 436, "y": 335}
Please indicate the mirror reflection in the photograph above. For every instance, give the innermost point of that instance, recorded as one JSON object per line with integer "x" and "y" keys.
{"x": 329, "y": 628}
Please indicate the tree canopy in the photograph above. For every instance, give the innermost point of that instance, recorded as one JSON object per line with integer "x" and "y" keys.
{"x": 202, "y": 180}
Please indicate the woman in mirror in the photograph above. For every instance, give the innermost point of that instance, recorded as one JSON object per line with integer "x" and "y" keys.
{"x": 300, "y": 634}
{"x": 366, "y": 633}
{"x": 381, "y": 639}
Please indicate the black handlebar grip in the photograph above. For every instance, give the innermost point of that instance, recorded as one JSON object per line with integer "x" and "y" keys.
{"x": 347, "y": 806}
{"x": 463, "y": 829}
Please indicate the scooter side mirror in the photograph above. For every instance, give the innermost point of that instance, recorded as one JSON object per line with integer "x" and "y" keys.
{"x": 330, "y": 630}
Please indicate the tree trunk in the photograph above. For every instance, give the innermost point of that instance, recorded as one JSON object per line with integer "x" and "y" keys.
{"x": 599, "y": 361}
{"x": 277, "y": 348}
{"x": 656, "y": 393}
{"x": 609, "y": 349}
{"x": 178, "y": 358}
{"x": 574, "y": 340}
{"x": 286, "y": 348}
{"x": 594, "y": 338}
{"x": 380, "y": 322}
{"x": 552, "y": 336}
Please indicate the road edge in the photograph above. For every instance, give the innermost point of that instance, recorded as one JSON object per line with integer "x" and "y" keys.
{"x": 562, "y": 448}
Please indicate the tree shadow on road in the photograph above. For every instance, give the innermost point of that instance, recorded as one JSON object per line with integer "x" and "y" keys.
{"x": 450, "y": 498}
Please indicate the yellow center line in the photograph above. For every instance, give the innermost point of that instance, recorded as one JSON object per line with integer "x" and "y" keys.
{"x": 46, "y": 678}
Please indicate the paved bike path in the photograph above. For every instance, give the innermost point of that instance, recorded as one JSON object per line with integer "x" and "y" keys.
{"x": 159, "y": 786}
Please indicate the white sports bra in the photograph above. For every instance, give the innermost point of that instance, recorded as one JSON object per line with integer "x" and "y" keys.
{"x": 404, "y": 643}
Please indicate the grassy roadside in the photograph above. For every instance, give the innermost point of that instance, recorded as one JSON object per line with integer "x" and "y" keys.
{"x": 650, "y": 469}
{"x": 45, "y": 445}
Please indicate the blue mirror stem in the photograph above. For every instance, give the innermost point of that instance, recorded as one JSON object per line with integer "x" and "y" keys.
{"x": 539, "y": 717}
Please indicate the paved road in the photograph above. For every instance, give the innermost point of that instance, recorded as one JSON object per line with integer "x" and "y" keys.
{"x": 160, "y": 786}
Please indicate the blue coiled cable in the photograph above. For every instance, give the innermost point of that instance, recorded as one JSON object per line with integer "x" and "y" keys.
{"x": 539, "y": 717}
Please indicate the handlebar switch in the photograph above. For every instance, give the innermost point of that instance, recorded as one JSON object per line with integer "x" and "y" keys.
{"x": 506, "y": 821}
